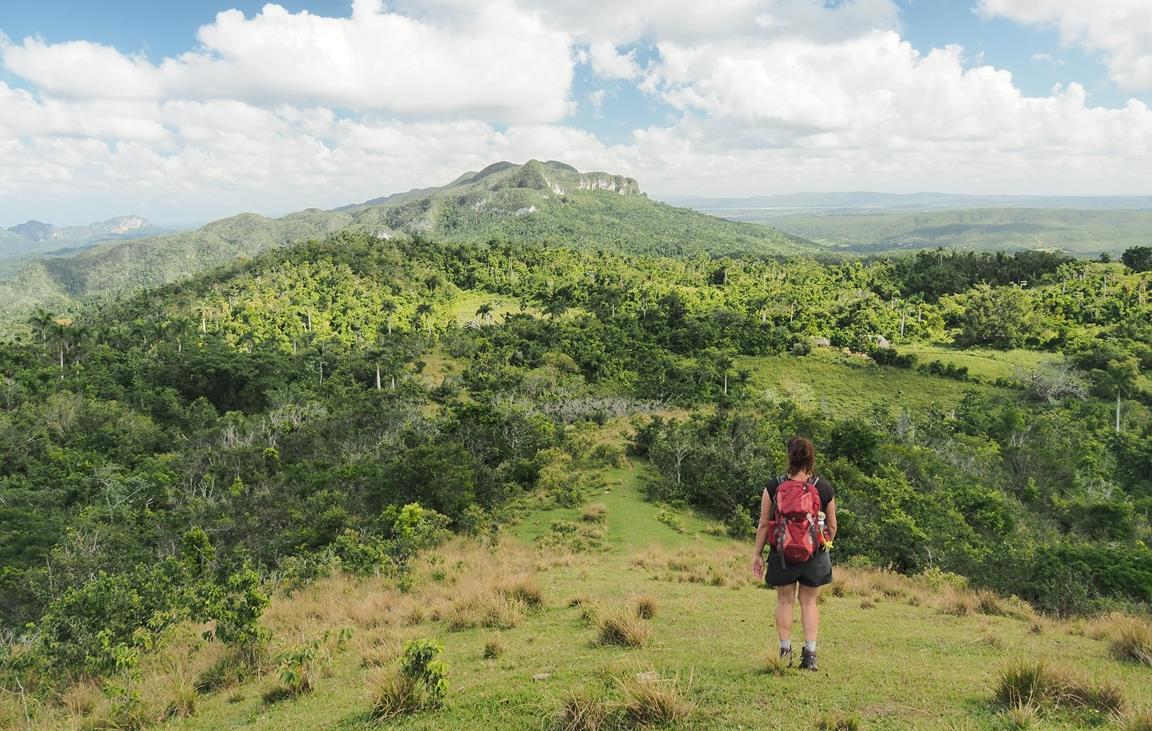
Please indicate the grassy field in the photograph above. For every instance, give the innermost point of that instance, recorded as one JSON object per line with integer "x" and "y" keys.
{"x": 849, "y": 384}
{"x": 983, "y": 363}
{"x": 895, "y": 653}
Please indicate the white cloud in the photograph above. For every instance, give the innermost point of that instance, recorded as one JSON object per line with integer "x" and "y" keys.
{"x": 1122, "y": 29}
{"x": 503, "y": 65}
{"x": 691, "y": 20}
{"x": 596, "y": 99}
{"x": 761, "y": 96}
{"x": 611, "y": 64}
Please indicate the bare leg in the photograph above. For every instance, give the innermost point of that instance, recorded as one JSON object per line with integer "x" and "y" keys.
{"x": 809, "y": 611}
{"x": 785, "y": 600}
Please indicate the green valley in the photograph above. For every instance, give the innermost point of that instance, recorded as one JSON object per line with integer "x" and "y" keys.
{"x": 369, "y": 479}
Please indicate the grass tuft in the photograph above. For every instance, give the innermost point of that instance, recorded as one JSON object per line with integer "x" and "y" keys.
{"x": 650, "y": 700}
{"x": 837, "y": 722}
{"x": 622, "y": 630}
{"x": 493, "y": 649}
{"x": 774, "y": 664}
{"x": 1022, "y": 716}
{"x": 1132, "y": 640}
{"x": 1138, "y": 721}
{"x": 1027, "y": 682}
{"x": 583, "y": 711}
{"x": 391, "y": 694}
{"x": 646, "y": 606}
{"x": 595, "y": 513}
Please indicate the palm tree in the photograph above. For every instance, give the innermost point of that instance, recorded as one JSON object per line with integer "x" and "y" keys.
{"x": 388, "y": 307}
{"x": 423, "y": 310}
{"x": 484, "y": 312}
{"x": 178, "y": 329}
{"x": 41, "y": 323}
{"x": 64, "y": 337}
{"x": 1120, "y": 375}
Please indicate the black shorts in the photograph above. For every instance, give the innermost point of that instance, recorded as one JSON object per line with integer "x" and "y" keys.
{"x": 816, "y": 571}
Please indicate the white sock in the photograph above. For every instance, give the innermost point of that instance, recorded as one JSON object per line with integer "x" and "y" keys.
{"x": 785, "y": 644}
{"x": 810, "y": 645}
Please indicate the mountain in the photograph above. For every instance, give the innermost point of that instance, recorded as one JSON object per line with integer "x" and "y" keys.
{"x": 38, "y": 238}
{"x": 547, "y": 203}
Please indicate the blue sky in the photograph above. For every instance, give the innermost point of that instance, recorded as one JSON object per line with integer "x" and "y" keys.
{"x": 277, "y": 109}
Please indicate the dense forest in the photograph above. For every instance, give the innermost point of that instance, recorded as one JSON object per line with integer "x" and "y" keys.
{"x": 183, "y": 452}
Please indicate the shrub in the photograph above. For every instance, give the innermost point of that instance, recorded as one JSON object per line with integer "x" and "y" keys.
{"x": 297, "y": 672}
{"x": 673, "y": 520}
{"x": 623, "y": 630}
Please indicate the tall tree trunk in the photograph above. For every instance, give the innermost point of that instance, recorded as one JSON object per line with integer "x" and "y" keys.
{"x": 377, "y": 376}
{"x": 1117, "y": 409}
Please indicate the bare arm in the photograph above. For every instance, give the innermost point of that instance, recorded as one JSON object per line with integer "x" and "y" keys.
{"x": 762, "y": 535}
{"x": 830, "y": 519}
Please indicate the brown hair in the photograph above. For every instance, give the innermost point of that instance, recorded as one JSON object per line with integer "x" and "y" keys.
{"x": 801, "y": 455}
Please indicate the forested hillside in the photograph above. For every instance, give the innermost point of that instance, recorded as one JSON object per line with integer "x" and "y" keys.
{"x": 538, "y": 203}
{"x": 182, "y": 454}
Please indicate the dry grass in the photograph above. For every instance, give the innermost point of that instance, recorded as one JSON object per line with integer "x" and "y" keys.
{"x": 1027, "y": 683}
{"x": 649, "y": 700}
{"x": 727, "y": 567}
{"x": 774, "y": 665}
{"x": 584, "y": 711}
{"x": 646, "y": 606}
{"x": 1132, "y": 640}
{"x": 623, "y": 630}
{"x": 1022, "y": 716}
{"x": 391, "y": 693}
{"x": 1138, "y": 721}
{"x": 595, "y": 513}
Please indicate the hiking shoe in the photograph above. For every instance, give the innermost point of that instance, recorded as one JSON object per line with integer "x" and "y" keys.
{"x": 786, "y": 655}
{"x": 807, "y": 659}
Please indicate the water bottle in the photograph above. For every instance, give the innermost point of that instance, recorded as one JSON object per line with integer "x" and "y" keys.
{"x": 820, "y": 526}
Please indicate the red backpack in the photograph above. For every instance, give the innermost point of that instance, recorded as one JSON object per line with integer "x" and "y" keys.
{"x": 794, "y": 527}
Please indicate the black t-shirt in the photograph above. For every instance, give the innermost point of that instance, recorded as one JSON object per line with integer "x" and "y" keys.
{"x": 824, "y": 487}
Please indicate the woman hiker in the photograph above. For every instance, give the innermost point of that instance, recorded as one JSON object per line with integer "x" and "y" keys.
{"x": 804, "y": 578}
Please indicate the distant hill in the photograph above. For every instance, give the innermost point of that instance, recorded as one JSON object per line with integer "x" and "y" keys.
{"x": 764, "y": 206}
{"x": 1081, "y": 232}
{"x": 539, "y": 202}
{"x": 34, "y": 238}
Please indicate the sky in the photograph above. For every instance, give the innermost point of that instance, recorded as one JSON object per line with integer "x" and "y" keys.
{"x": 191, "y": 111}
